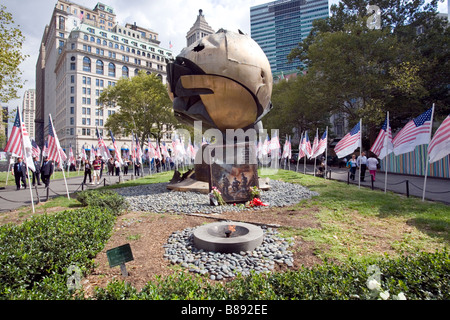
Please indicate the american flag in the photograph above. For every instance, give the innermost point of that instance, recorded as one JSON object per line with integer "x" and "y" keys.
{"x": 93, "y": 154}
{"x": 315, "y": 144}
{"x": 45, "y": 150}
{"x": 306, "y": 145}
{"x": 275, "y": 147}
{"x": 164, "y": 151}
{"x": 439, "y": 146}
{"x": 151, "y": 150}
{"x": 54, "y": 148}
{"x": 83, "y": 154}
{"x": 71, "y": 156}
{"x": 103, "y": 149}
{"x": 19, "y": 140}
{"x": 36, "y": 149}
{"x": 321, "y": 145}
{"x": 139, "y": 153}
{"x": 349, "y": 142}
{"x": 301, "y": 152}
{"x": 118, "y": 156}
{"x": 414, "y": 133}
{"x": 379, "y": 146}
{"x": 133, "y": 148}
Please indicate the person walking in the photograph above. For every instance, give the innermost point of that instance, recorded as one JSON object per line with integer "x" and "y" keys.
{"x": 87, "y": 171}
{"x": 19, "y": 172}
{"x": 125, "y": 166}
{"x": 362, "y": 164}
{"x": 37, "y": 172}
{"x": 97, "y": 164}
{"x": 46, "y": 171}
{"x": 372, "y": 163}
{"x": 137, "y": 168}
{"x": 351, "y": 164}
{"x": 117, "y": 165}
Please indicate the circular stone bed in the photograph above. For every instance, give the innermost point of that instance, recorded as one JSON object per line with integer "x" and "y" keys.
{"x": 157, "y": 198}
{"x": 180, "y": 250}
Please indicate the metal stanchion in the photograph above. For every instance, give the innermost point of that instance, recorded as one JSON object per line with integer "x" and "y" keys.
{"x": 407, "y": 188}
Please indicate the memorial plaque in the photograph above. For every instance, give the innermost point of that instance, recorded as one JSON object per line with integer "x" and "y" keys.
{"x": 234, "y": 173}
{"x": 119, "y": 255}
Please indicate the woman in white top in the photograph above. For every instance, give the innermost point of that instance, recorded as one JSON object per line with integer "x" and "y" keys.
{"x": 372, "y": 163}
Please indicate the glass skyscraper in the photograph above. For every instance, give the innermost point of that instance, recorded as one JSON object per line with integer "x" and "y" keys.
{"x": 279, "y": 26}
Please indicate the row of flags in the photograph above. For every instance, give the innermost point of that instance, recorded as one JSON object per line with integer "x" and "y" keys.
{"x": 416, "y": 132}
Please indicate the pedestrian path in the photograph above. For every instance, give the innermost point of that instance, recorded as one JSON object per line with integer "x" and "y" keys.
{"x": 437, "y": 189}
{"x": 12, "y": 199}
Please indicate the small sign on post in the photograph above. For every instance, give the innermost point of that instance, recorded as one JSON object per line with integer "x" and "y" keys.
{"x": 119, "y": 256}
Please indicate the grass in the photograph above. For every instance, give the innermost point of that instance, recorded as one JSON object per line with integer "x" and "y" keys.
{"x": 365, "y": 224}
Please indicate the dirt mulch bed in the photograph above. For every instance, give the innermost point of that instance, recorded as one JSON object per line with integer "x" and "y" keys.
{"x": 148, "y": 232}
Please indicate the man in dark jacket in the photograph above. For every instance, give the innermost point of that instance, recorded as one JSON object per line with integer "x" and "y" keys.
{"x": 37, "y": 173}
{"x": 46, "y": 171}
{"x": 20, "y": 173}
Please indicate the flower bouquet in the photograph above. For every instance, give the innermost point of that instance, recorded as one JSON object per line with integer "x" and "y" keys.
{"x": 216, "y": 197}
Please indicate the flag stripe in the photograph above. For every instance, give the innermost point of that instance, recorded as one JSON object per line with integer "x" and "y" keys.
{"x": 439, "y": 146}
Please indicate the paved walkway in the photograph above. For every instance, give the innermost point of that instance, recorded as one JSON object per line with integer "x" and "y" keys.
{"x": 437, "y": 189}
{"x": 11, "y": 199}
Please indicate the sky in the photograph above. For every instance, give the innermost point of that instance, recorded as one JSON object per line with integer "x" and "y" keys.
{"x": 171, "y": 19}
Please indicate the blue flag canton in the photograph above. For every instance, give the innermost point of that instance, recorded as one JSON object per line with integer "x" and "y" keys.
{"x": 50, "y": 128}
{"x": 384, "y": 127}
{"x": 17, "y": 120}
{"x": 324, "y": 135}
{"x": 420, "y": 120}
{"x": 355, "y": 129}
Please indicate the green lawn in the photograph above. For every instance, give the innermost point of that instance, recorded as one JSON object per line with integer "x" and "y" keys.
{"x": 364, "y": 223}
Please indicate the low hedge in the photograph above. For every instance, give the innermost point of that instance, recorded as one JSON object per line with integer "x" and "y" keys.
{"x": 36, "y": 254}
{"x": 104, "y": 199}
{"x": 422, "y": 276}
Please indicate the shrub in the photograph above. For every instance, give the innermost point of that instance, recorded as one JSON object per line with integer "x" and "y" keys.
{"x": 422, "y": 276}
{"x": 104, "y": 199}
{"x": 45, "y": 246}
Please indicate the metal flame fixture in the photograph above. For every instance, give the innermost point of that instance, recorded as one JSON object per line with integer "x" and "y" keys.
{"x": 228, "y": 238}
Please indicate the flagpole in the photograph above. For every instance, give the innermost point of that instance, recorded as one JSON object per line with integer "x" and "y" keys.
{"x": 24, "y": 157}
{"x": 360, "y": 152}
{"x": 386, "y": 143}
{"x": 426, "y": 164}
{"x": 326, "y": 154}
{"x": 317, "y": 135}
{"x": 59, "y": 155}
{"x": 299, "y": 145}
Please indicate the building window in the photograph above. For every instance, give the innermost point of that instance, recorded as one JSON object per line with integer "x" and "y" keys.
{"x": 125, "y": 72}
{"x": 72, "y": 66}
{"x": 86, "y": 64}
{"x": 111, "y": 70}
{"x": 99, "y": 67}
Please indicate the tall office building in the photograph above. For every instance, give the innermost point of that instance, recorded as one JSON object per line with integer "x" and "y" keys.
{"x": 279, "y": 26}
{"x": 29, "y": 110}
{"x": 199, "y": 30}
{"x": 83, "y": 51}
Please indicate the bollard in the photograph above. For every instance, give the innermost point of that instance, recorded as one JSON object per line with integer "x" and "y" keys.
{"x": 371, "y": 179}
{"x": 48, "y": 193}
{"x": 407, "y": 188}
{"x": 348, "y": 177}
{"x": 82, "y": 186}
{"x": 104, "y": 182}
{"x": 37, "y": 195}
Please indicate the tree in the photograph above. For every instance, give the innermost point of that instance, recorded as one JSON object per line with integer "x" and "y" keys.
{"x": 364, "y": 72}
{"x": 11, "y": 40}
{"x": 145, "y": 107}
